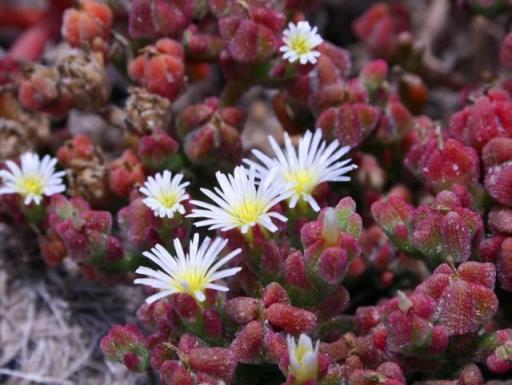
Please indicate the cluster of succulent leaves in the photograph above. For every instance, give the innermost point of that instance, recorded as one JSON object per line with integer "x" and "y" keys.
{"x": 404, "y": 275}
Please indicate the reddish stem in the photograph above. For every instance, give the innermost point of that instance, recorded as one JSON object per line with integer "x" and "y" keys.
{"x": 30, "y": 44}
{"x": 61, "y": 4}
{"x": 19, "y": 17}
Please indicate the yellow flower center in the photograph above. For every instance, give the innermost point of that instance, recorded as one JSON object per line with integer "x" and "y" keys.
{"x": 300, "y": 44}
{"x": 248, "y": 211}
{"x": 303, "y": 179}
{"x": 32, "y": 185}
{"x": 168, "y": 199}
{"x": 190, "y": 281}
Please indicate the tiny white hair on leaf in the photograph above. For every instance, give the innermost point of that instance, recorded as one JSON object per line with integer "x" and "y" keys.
{"x": 303, "y": 357}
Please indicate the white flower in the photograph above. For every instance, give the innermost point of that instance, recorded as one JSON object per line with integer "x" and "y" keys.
{"x": 239, "y": 203}
{"x": 303, "y": 358}
{"x": 164, "y": 194}
{"x": 300, "y": 41}
{"x": 35, "y": 178}
{"x": 191, "y": 272}
{"x": 313, "y": 163}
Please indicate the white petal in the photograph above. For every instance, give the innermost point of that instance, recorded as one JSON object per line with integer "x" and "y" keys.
{"x": 191, "y": 272}
{"x": 159, "y": 295}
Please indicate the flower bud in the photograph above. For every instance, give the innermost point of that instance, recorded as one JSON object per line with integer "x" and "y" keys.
{"x": 302, "y": 362}
{"x": 330, "y": 249}
{"x": 330, "y": 227}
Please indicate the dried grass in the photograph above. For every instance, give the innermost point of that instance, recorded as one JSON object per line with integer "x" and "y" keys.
{"x": 51, "y": 321}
